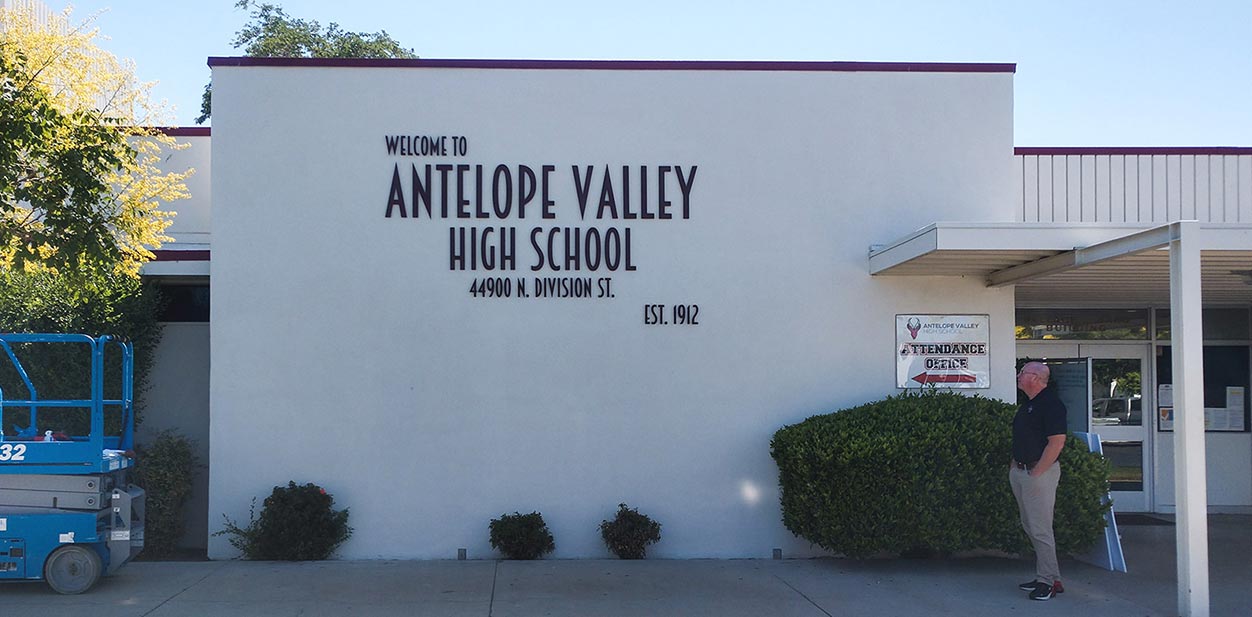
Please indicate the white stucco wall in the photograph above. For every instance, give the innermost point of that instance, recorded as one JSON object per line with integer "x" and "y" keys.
{"x": 179, "y": 400}
{"x": 190, "y": 229}
{"x": 347, "y": 353}
{"x": 191, "y": 225}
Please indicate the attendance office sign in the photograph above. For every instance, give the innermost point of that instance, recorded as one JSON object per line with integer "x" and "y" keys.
{"x": 947, "y": 351}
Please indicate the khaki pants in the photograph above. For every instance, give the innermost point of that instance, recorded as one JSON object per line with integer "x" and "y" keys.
{"x": 1036, "y": 498}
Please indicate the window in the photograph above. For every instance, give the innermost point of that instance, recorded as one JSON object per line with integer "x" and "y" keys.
{"x": 1225, "y": 366}
{"x": 1082, "y": 324}
{"x": 185, "y": 303}
{"x": 1220, "y": 324}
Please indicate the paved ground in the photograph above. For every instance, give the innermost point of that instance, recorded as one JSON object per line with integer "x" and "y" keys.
{"x": 724, "y": 588}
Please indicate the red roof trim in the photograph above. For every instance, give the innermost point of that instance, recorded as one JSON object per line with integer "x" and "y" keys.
{"x": 1132, "y": 150}
{"x": 624, "y": 65}
{"x": 185, "y": 131}
{"x": 168, "y": 255}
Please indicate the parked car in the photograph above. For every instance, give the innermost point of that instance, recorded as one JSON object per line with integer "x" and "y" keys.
{"x": 1117, "y": 411}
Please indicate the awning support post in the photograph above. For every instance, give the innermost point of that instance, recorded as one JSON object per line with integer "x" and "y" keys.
{"x": 1190, "y": 490}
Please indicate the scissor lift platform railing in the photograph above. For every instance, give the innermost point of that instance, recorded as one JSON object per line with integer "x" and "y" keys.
{"x": 67, "y": 513}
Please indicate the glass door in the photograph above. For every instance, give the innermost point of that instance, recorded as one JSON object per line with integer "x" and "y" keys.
{"x": 1118, "y": 402}
{"x": 1070, "y": 378}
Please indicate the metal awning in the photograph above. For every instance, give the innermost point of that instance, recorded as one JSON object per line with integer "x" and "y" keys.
{"x": 992, "y": 251}
{"x": 1182, "y": 265}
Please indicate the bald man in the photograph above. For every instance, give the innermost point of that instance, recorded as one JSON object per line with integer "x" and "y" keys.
{"x": 1038, "y": 437}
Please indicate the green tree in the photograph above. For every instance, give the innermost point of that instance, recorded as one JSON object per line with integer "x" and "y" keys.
{"x": 272, "y": 33}
{"x": 45, "y": 301}
{"x": 80, "y": 187}
{"x": 52, "y": 175}
{"x": 1123, "y": 374}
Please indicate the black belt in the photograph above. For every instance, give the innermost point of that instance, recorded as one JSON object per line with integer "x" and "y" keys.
{"x": 1024, "y": 466}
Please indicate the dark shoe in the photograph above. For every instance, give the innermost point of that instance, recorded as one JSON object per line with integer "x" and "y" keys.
{"x": 1043, "y": 592}
{"x": 1028, "y": 585}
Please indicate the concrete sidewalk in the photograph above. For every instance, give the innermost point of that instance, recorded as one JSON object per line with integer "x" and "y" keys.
{"x": 811, "y": 588}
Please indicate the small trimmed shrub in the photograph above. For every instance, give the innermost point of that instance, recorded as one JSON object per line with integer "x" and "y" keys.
{"x": 924, "y": 473}
{"x": 629, "y": 533}
{"x": 165, "y": 469}
{"x": 521, "y": 536}
{"x": 297, "y": 523}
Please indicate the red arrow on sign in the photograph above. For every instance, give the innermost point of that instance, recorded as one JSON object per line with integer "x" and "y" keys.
{"x": 944, "y": 378}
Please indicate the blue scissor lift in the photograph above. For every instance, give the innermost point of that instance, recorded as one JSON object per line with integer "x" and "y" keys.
{"x": 67, "y": 512}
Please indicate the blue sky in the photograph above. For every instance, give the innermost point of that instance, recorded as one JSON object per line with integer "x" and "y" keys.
{"x": 1103, "y": 73}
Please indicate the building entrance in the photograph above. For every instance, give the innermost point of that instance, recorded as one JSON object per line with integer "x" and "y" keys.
{"x": 1117, "y": 412}
{"x": 1115, "y": 400}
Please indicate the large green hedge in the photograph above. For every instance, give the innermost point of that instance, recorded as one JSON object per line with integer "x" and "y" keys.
{"x": 924, "y": 472}
{"x": 45, "y": 302}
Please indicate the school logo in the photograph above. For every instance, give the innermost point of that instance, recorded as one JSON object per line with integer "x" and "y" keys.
{"x": 914, "y": 325}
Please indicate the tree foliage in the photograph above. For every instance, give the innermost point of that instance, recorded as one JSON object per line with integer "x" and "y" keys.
{"x": 44, "y": 301}
{"x": 80, "y": 190}
{"x": 272, "y": 33}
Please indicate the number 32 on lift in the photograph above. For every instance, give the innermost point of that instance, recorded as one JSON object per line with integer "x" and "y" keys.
{"x": 12, "y": 452}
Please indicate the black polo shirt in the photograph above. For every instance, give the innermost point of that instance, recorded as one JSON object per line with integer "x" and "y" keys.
{"x": 1036, "y": 420}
